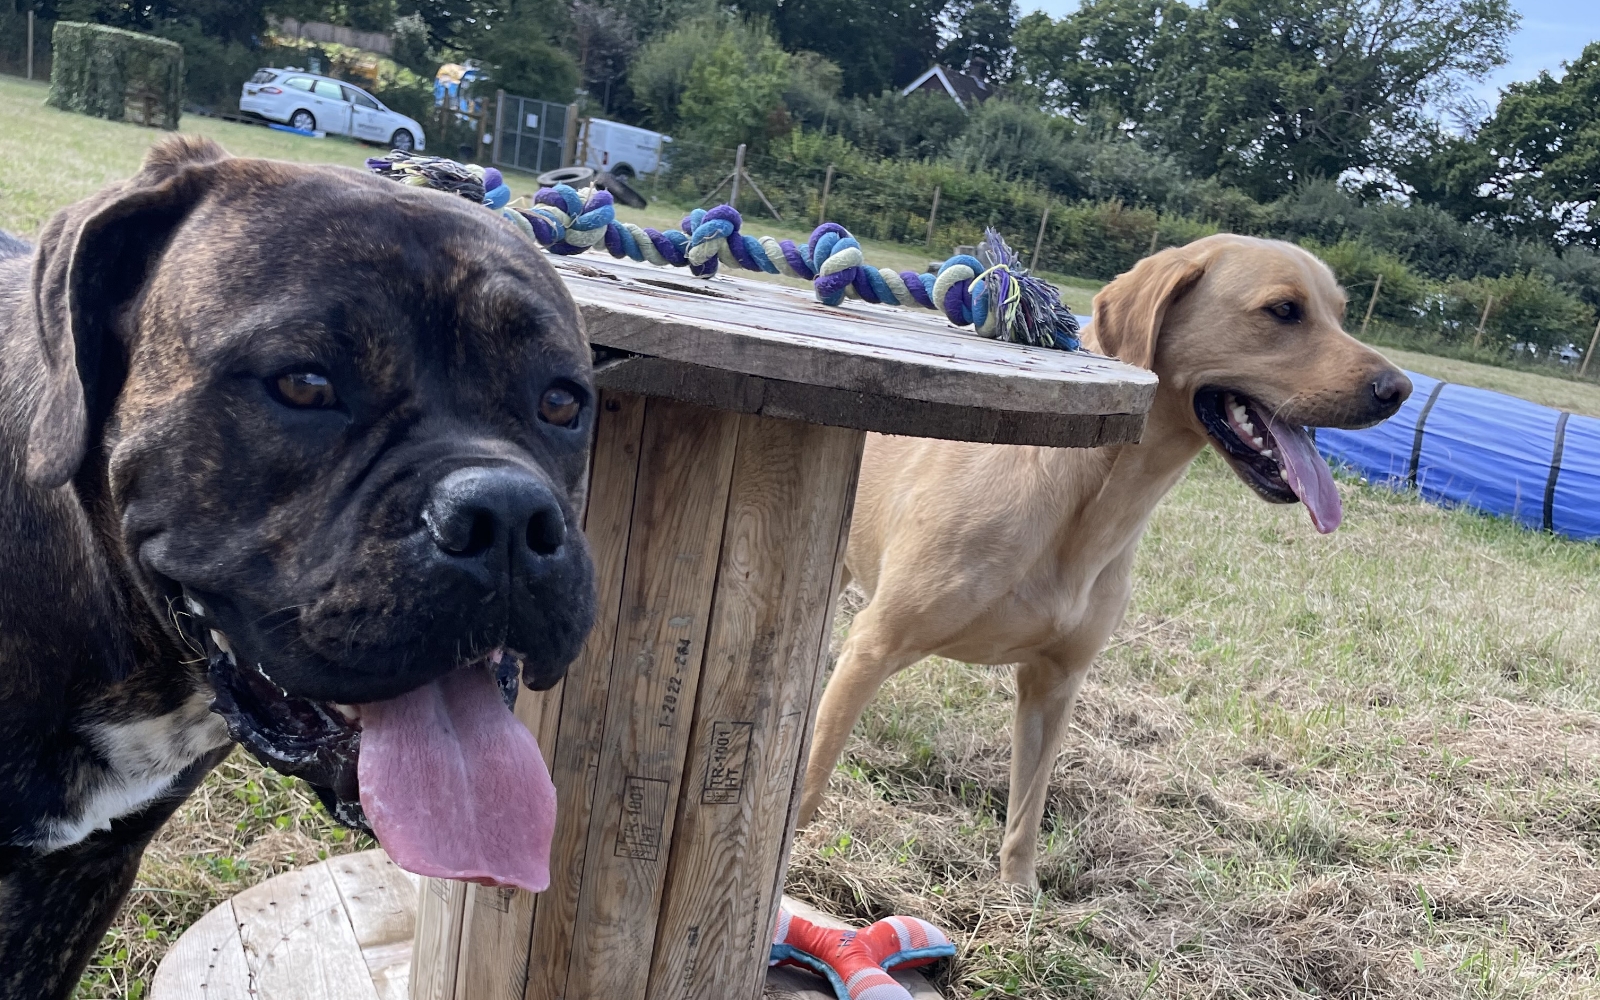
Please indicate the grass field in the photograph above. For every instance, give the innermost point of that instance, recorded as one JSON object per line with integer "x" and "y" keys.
{"x": 1364, "y": 765}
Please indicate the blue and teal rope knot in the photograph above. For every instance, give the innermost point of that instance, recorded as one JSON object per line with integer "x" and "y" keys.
{"x": 990, "y": 292}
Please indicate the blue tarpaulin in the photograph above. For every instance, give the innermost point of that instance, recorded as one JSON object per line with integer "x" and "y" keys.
{"x": 1471, "y": 447}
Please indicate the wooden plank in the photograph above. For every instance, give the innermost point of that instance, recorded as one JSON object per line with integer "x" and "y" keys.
{"x": 206, "y": 963}
{"x": 575, "y": 764}
{"x": 436, "y": 942}
{"x": 799, "y": 984}
{"x": 882, "y": 413}
{"x": 686, "y": 460}
{"x": 791, "y": 494}
{"x": 380, "y": 901}
{"x": 765, "y": 330}
{"x": 298, "y": 941}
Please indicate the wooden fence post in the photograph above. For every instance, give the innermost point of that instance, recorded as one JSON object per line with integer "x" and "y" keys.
{"x": 933, "y": 213}
{"x": 1376, "y": 286}
{"x": 1594, "y": 341}
{"x": 1483, "y": 320}
{"x": 30, "y": 43}
{"x": 738, "y": 175}
{"x": 1038, "y": 244}
{"x": 499, "y": 114}
{"x": 827, "y": 185}
{"x": 1155, "y": 234}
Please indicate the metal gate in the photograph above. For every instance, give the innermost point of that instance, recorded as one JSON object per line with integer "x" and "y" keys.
{"x": 532, "y": 135}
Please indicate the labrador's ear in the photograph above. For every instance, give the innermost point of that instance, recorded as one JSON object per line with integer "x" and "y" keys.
{"x": 1128, "y": 312}
{"x": 92, "y": 259}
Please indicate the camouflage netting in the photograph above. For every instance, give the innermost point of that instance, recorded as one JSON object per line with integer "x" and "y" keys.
{"x": 116, "y": 74}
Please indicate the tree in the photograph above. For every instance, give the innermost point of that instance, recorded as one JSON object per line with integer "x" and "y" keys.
{"x": 980, "y": 30}
{"x": 1534, "y": 167}
{"x": 717, "y": 80}
{"x": 875, "y": 43}
{"x": 1265, "y": 94}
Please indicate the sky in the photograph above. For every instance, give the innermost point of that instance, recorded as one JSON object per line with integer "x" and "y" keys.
{"x": 1552, "y": 32}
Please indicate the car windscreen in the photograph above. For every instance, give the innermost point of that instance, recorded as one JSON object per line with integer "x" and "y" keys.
{"x": 359, "y": 99}
{"x": 264, "y": 76}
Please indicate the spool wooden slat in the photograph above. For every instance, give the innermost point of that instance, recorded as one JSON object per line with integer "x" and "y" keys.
{"x": 781, "y": 552}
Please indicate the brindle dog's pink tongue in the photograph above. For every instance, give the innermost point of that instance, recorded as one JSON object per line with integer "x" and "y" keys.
{"x": 454, "y": 786}
{"x": 1307, "y": 474}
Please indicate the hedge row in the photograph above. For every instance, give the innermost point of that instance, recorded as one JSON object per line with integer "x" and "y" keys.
{"x": 890, "y": 200}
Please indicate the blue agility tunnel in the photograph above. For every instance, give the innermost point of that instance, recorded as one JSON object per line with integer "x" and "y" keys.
{"x": 1460, "y": 446}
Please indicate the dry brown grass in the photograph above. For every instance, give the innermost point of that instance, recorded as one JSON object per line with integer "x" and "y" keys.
{"x": 1358, "y": 766}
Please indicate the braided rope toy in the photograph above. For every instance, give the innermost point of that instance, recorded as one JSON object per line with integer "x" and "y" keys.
{"x": 990, "y": 292}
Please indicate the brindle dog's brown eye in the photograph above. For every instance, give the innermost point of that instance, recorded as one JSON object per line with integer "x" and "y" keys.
{"x": 306, "y": 390}
{"x": 559, "y": 406}
{"x": 1288, "y": 312}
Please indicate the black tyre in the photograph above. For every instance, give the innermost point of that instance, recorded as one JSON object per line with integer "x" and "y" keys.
{"x": 622, "y": 172}
{"x": 403, "y": 141}
{"x": 303, "y": 120}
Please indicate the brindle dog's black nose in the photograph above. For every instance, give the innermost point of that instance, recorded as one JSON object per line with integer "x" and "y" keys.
{"x": 1391, "y": 387}
{"x": 479, "y": 513}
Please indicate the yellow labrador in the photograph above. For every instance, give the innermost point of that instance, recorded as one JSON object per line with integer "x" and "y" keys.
{"x": 1003, "y": 554}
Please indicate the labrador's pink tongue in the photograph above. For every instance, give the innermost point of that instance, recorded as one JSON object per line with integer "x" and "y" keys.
{"x": 1307, "y": 475}
{"x": 454, "y": 786}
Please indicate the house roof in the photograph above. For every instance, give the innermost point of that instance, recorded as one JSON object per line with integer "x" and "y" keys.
{"x": 964, "y": 89}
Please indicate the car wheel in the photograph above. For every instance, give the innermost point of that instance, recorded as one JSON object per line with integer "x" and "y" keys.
{"x": 303, "y": 120}
{"x": 622, "y": 172}
{"x": 402, "y": 141}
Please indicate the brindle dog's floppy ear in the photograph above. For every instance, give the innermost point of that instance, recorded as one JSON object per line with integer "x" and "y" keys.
{"x": 92, "y": 258}
{"x": 1128, "y": 313}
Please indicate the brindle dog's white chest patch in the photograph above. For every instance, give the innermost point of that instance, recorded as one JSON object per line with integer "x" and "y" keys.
{"x": 144, "y": 757}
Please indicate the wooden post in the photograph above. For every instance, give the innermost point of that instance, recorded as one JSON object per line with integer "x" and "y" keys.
{"x": 933, "y": 213}
{"x": 1376, "y": 286}
{"x": 499, "y": 114}
{"x": 483, "y": 120}
{"x": 827, "y": 185}
{"x": 1483, "y": 320}
{"x": 1155, "y": 234}
{"x": 738, "y": 175}
{"x": 1594, "y": 341}
{"x": 1038, "y": 244}
{"x": 569, "y": 138}
{"x": 30, "y": 43}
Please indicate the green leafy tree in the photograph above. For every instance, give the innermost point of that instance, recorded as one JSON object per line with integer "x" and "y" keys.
{"x": 717, "y": 80}
{"x": 1534, "y": 167}
{"x": 980, "y": 36}
{"x": 876, "y": 44}
{"x": 1264, "y": 94}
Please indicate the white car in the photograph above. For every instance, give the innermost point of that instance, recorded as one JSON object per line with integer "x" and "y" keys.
{"x": 318, "y": 103}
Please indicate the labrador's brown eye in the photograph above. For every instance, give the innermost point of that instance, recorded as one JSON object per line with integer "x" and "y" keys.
{"x": 306, "y": 390}
{"x": 559, "y": 406}
{"x": 1288, "y": 312}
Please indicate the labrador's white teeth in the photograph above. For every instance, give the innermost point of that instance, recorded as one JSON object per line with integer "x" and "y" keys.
{"x": 1260, "y": 444}
{"x": 1267, "y": 453}
{"x": 348, "y": 711}
{"x": 1240, "y": 414}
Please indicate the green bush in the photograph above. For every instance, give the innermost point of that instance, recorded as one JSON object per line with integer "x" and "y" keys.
{"x": 1528, "y": 308}
{"x": 1403, "y": 298}
{"x": 103, "y": 72}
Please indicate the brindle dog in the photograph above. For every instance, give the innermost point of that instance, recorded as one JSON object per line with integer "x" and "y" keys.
{"x": 299, "y": 418}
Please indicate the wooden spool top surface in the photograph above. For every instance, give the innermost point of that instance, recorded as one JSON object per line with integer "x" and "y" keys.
{"x": 763, "y": 347}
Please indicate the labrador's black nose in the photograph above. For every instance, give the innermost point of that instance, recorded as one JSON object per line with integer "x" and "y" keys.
{"x": 480, "y": 513}
{"x": 1391, "y": 387}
